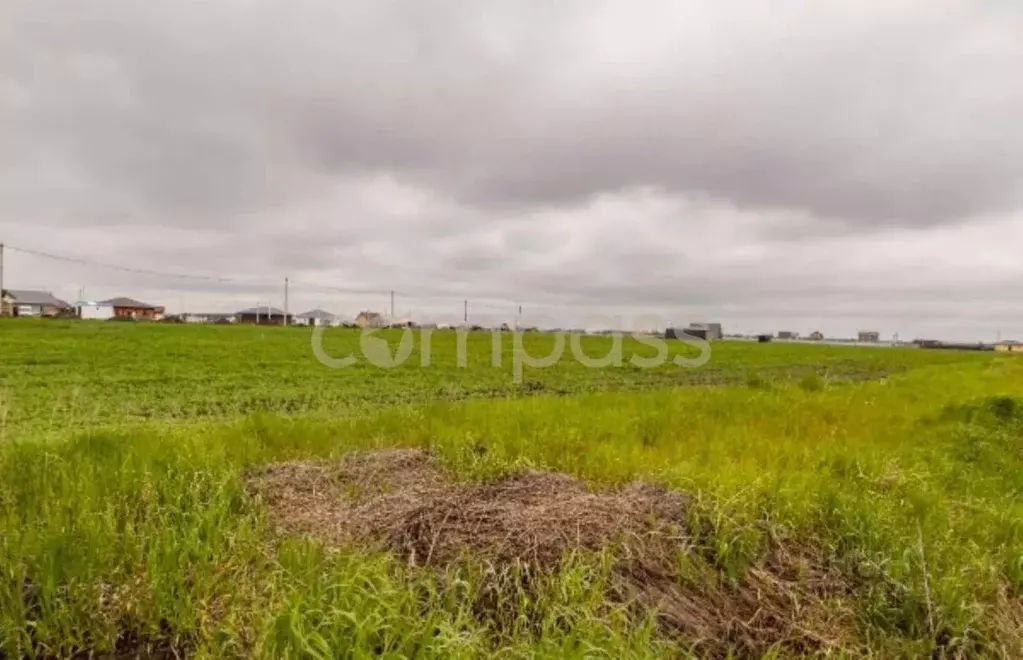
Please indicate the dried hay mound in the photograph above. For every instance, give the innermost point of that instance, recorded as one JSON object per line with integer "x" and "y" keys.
{"x": 400, "y": 498}
{"x": 403, "y": 501}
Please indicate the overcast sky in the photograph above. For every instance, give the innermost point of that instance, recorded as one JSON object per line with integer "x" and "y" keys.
{"x": 767, "y": 164}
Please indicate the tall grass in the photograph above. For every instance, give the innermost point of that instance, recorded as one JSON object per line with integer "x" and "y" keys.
{"x": 141, "y": 532}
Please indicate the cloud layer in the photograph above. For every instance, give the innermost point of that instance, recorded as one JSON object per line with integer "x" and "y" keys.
{"x": 797, "y": 163}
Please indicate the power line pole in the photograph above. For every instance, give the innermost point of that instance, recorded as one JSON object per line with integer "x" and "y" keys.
{"x": 465, "y": 313}
{"x": 392, "y": 305}
{"x": 2, "y": 308}
{"x": 285, "y": 301}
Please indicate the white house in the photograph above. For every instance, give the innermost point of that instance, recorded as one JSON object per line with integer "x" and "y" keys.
{"x": 96, "y": 311}
{"x": 316, "y": 317}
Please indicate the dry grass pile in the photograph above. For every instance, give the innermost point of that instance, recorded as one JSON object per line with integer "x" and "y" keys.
{"x": 403, "y": 501}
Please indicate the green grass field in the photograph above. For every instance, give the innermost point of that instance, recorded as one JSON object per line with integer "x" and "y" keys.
{"x": 840, "y": 500}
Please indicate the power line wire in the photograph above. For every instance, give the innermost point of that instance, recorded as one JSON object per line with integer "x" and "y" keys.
{"x": 98, "y": 264}
{"x": 481, "y": 302}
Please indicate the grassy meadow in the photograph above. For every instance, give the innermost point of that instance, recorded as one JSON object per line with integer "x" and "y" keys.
{"x": 126, "y": 525}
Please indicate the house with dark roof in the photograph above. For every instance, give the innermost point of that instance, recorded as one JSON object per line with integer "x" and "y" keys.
{"x": 135, "y": 309}
{"x": 18, "y": 302}
{"x": 263, "y": 315}
{"x": 316, "y": 317}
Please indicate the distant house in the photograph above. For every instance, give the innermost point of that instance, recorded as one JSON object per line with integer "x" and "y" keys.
{"x": 316, "y": 317}
{"x": 207, "y": 317}
{"x": 1009, "y": 347}
{"x": 788, "y": 334}
{"x": 262, "y": 316}
{"x": 817, "y": 335}
{"x": 134, "y": 309}
{"x": 370, "y": 320}
{"x": 32, "y": 303}
{"x": 869, "y": 336}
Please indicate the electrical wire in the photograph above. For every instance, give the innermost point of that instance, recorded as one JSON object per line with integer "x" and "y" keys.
{"x": 477, "y": 303}
{"x": 98, "y": 264}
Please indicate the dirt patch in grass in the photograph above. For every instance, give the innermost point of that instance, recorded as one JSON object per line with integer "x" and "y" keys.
{"x": 403, "y": 501}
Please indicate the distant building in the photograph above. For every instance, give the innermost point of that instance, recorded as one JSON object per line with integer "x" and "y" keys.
{"x": 316, "y": 317}
{"x": 370, "y": 320}
{"x": 262, "y": 316}
{"x": 713, "y": 330}
{"x": 687, "y": 333}
{"x": 1009, "y": 347}
{"x": 926, "y": 343}
{"x": 956, "y": 346}
{"x": 134, "y": 309}
{"x": 91, "y": 310}
{"x": 764, "y": 339}
{"x": 816, "y": 335}
{"x": 207, "y": 317}
{"x": 32, "y": 303}
{"x": 869, "y": 336}
{"x": 788, "y": 334}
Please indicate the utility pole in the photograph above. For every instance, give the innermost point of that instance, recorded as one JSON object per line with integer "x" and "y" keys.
{"x": 285, "y": 301}
{"x": 518, "y": 321}
{"x": 392, "y": 305}
{"x": 257, "y": 312}
{"x": 465, "y": 314}
{"x": 1, "y": 279}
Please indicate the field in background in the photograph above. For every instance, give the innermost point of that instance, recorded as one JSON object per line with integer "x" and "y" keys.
{"x": 65, "y": 375}
{"x": 894, "y": 476}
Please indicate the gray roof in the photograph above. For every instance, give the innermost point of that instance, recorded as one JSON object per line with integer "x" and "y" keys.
{"x": 262, "y": 311}
{"x": 128, "y": 302}
{"x": 316, "y": 314}
{"x": 35, "y": 298}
